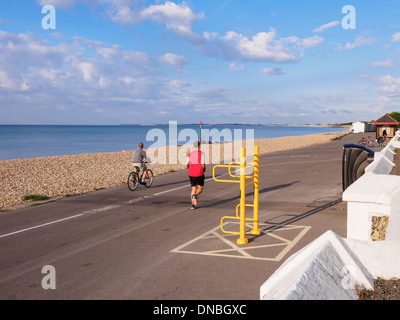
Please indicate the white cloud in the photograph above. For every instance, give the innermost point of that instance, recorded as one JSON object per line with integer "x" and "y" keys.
{"x": 389, "y": 63}
{"x": 178, "y": 18}
{"x": 396, "y": 37}
{"x": 61, "y": 4}
{"x": 72, "y": 77}
{"x": 123, "y": 12}
{"x": 309, "y": 42}
{"x": 264, "y": 46}
{"x": 5, "y": 81}
{"x": 174, "y": 60}
{"x": 87, "y": 70}
{"x": 210, "y": 35}
{"x": 390, "y": 85}
{"x": 272, "y": 71}
{"x": 234, "y": 67}
{"x": 358, "y": 42}
{"x": 326, "y": 26}
{"x": 387, "y": 89}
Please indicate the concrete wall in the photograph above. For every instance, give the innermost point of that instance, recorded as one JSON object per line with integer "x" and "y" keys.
{"x": 376, "y": 193}
{"x": 330, "y": 267}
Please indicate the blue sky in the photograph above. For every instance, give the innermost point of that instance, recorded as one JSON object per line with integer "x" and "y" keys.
{"x": 138, "y": 61}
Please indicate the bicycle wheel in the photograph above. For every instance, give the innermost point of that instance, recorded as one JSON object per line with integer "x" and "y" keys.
{"x": 371, "y": 143}
{"x": 133, "y": 181}
{"x": 361, "y": 142}
{"x": 149, "y": 178}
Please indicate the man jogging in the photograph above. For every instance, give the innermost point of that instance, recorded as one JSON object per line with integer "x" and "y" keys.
{"x": 197, "y": 167}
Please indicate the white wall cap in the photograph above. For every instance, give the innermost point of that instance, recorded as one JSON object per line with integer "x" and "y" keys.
{"x": 373, "y": 188}
{"x": 316, "y": 272}
{"x": 395, "y": 144}
{"x": 381, "y": 258}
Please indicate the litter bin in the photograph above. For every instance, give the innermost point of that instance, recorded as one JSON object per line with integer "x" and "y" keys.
{"x": 355, "y": 159}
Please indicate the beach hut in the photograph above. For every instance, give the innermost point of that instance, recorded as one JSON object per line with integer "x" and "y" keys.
{"x": 388, "y": 124}
{"x": 360, "y": 127}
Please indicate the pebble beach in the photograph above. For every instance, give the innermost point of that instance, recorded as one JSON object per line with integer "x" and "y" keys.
{"x": 77, "y": 174}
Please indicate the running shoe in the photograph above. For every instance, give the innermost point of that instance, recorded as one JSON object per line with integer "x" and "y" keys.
{"x": 194, "y": 200}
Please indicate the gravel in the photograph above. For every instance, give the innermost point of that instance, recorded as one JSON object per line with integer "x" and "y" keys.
{"x": 383, "y": 290}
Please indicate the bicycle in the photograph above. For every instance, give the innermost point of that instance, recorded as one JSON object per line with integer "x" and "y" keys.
{"x": 367, "y": 142}
{"x": 382, "y": 141}
{"x": 135, "y": 177}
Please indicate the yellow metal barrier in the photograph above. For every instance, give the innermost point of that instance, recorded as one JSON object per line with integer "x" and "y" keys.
{"x": 243, "y": 178}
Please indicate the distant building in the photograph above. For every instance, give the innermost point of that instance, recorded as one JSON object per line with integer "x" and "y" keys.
{"x": 388, "y": 124}
{"x": 361, "y": 127}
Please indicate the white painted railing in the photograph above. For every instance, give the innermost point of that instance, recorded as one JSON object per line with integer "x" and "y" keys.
{"x": 375, "y": 194}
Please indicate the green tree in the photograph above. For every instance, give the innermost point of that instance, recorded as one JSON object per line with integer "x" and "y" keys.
{"x": 395, "y": 115}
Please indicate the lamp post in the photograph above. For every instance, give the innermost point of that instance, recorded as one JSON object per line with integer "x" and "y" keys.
{"x": 200, "y": 131}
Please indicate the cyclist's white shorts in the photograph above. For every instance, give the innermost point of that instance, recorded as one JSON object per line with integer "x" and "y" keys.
{"x": 139, "y": 164}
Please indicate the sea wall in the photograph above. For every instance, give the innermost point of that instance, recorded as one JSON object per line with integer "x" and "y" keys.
{"x": 332, "y": 267}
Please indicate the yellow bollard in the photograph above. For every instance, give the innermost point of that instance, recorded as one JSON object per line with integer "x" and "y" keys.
{"x": 242, "y": 238}
{"x": 256, "y": 230}
{"x": 241, "y": 207}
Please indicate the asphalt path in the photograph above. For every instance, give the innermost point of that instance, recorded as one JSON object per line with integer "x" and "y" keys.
{"x": 149, "y": 245}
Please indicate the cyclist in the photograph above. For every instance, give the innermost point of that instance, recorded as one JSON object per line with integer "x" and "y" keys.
{"x": 195, "y": 163}
{"x": 382, "y": 140}
{"x": 138, "y": 159}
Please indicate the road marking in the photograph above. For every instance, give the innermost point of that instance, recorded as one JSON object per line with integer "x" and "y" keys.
{"x": 102, "y": 209}
{"x": 170, "y": 190}
{"x": 258, "y": 248}
{"x": 185, "y": 186}
{"x": 234, "y": 246}
{"x": 136, "y": 200}
{"x": 113, "y": 206}
{"x": 39, "y": 226}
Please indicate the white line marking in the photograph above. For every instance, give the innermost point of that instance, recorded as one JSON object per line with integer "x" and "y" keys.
{"x": 170, "y": 190}
{"x": 39, "y": 226}
{"x": 234, "y": 247}
{"x": 113, "y": 206}
{"x": 102, "y": 209}
{"x": 136, "y": 200}
{"x": 242, "y": 252}
{"x": 185, "y": 186}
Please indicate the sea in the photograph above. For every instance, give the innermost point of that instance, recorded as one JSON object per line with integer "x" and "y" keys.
{"x": 30, "y": 141}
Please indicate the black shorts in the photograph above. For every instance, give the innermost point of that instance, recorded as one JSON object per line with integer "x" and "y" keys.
{"x": 197, "y": 181}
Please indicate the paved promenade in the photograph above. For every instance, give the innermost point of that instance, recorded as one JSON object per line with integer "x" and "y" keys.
{"x": 148, "y": 244}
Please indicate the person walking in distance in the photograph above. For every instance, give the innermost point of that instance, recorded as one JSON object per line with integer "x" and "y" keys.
{"x": 196, "y": 165}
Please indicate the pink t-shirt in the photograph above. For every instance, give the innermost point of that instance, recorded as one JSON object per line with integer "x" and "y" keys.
{"x": 195, "y": 166}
